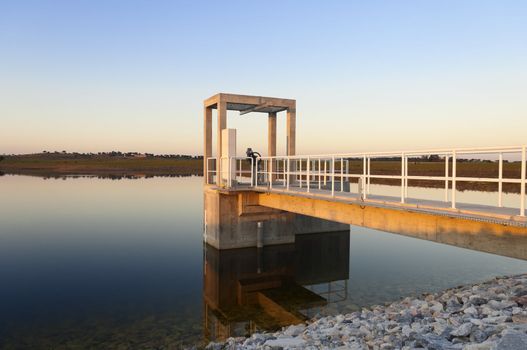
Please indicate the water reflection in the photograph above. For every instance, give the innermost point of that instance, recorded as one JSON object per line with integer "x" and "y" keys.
{"x": 100, "y": 264}
{"x": 249, "y": 290}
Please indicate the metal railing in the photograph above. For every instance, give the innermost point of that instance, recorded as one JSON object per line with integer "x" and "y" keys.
{"x": 329, "y": 174}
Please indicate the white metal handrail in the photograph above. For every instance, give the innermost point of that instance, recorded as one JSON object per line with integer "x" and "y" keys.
{"x": 327, "y": 171}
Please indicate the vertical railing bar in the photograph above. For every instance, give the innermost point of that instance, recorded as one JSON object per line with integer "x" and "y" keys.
{"x": 308, "y": 175}
{"x": 333, "y": 176}
{"x": 402, "y": 177}
{"x": 363, "y": 180}
{"x": 283, "y": 170}
{"x": 300, "y": 171}
{"x": 406, "y": 177}
{"x": 270, "y": 176}
{"x": 341, "y": 175}
{"x": 319, "y": 174}
{"x": 252, "y": 172}
{"x": 325, "y": 171}
{"x": 288, "y": 173}
{"x": 368, "y": 178}
{"x": 522, "y": 185}
{"x": 454, "y": 173}
{"x": 256, "y": 173}
{"x": 500, "y": 179}
{"x": 446, "y": 177}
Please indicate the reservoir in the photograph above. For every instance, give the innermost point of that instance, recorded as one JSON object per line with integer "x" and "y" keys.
{"x": 120, "y": 263}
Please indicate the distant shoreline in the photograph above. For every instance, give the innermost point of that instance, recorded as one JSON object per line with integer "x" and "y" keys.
{"x": 56, "y": 165}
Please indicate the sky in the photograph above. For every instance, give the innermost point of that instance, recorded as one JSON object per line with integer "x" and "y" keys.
{"x": 91, "y": 76}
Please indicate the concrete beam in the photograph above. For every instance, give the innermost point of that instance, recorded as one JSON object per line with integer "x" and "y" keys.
{"x": 255, "y": 108}
{"x": 488, "y": 237}
{"x": 250, "y": 100}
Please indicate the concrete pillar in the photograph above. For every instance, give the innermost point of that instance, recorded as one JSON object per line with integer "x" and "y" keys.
{"x": 222, "y": 124}
{"x": 291, "y": 131}
{"x": 207, "y": 138}
{"x": 271, "y": 136}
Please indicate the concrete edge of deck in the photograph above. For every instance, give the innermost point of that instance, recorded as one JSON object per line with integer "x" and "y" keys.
{"x": 495, "y": 218}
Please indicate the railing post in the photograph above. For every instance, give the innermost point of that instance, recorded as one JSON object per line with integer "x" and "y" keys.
{"x": 300, "y": 171}
{"x": 522, "y": 184}
{"x": 287, "y": 173}
{"x": 454, "y": 172}
{"x": 341, "y": 175}
{"x": 308, "y": 175}
{"x": 364, "y": 181}
{"x": 319, "y": 174}
{"x": 446, "y": 177}
{"x": 325, "y": 171}
{"x": 252, "y": 172}
{"x": 284, "y": 162}
{"x": 406, "y": 177}
{"x": 402, "y": 177}
{"x": 368, "y": 178}
{"x": 256, "y": 172}
{"x": 333, "y": 176}
{"x": 270, "y": 173}
{"x": 500, "y": 180}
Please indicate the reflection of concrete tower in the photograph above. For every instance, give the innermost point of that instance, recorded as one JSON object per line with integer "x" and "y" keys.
{"x": 248, "y": 290}
{"x": 231, "y": 214}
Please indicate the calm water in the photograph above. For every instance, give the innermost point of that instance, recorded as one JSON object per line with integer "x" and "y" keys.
{"x": 94, "y": 263}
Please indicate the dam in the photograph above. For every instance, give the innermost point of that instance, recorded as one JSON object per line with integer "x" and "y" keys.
{"x": 252, "y": 201}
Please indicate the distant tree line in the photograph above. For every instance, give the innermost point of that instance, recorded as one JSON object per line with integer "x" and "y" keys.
{"x": 430, "y": 158}
{"x": 122, "y": 154}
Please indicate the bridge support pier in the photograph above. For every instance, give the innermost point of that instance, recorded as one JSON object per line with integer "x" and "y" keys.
{"x": 233, "y": 219}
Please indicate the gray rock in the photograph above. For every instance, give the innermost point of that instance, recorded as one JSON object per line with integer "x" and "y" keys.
{"x": 288, "y": 342}
{"x": 463, "y": 331}
{"x": 488, "y": 345}
{"x": 512, "y": 341}
{"x": 433, "y": 342}
{"x": 293, "y": 331}
{"x": 478, "y": 336}
{"x": 477, "y": 300}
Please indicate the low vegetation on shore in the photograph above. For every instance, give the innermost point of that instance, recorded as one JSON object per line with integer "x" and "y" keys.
{"x": 107, "y": 163}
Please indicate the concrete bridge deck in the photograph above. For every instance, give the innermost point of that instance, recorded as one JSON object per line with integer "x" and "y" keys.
{"x": 478, "y": 212}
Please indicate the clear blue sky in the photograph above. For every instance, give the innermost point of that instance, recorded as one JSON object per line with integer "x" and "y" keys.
{"x": 367, "y": 75}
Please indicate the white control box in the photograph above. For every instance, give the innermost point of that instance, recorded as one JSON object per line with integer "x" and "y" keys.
{"x": 228, "y": 155}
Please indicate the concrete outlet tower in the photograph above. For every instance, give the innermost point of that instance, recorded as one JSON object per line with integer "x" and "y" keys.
{"x": 232, "y": 216}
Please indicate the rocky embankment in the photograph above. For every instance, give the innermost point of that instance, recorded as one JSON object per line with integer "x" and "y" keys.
{"x": 485, "y": 316}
